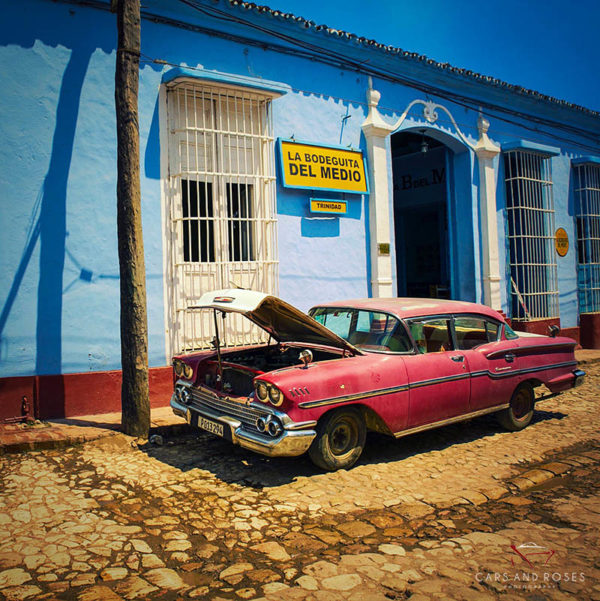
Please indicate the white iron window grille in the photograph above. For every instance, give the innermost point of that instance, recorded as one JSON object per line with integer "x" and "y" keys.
{"x": 530, "y": 220}
{"x": 587, "y": 213}
{"x": 221, "y": 207}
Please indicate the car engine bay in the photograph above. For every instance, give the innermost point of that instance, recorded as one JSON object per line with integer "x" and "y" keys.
{"x": 240, "y": 367}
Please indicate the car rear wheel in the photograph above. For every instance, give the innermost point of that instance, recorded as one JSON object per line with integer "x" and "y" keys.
{"x": 520, "y": 412}
{"x": 340, "y": 440}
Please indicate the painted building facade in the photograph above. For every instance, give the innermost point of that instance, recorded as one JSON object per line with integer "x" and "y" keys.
{"x": 477, "y": 190}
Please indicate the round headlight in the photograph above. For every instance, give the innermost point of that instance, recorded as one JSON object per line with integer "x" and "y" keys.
{"x": 275, "y": 396}
{"x": 188, "y": 371}
{"x": 178, "y": 367}
{"x": 261, "y": 391}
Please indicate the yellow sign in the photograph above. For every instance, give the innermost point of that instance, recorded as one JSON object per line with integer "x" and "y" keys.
{"x": 322, "y": 168}
{"x": 384, "y": 249}
{"x": 561, "y": 242}
{"x": 318, "y": 205}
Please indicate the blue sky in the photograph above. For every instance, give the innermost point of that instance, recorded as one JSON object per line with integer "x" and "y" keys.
{"x": 550, "y": 46}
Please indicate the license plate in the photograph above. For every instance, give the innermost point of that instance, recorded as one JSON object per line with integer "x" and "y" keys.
{"x": 210, "y": 426}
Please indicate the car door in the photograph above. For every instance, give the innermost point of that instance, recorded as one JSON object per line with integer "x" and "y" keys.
{"x": 438, "y": 376}
{"x": 492, "y": 362}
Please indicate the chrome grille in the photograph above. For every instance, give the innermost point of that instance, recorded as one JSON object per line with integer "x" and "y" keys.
{"x": 205, "y": 399}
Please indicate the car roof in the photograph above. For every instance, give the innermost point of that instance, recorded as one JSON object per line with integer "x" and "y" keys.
{"x": 414, "y": 307}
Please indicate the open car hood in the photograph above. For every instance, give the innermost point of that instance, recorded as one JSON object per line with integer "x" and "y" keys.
{"x": 281, "y": 321}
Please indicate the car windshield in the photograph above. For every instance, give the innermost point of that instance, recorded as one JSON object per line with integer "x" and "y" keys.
{"x": 367, "y": 330}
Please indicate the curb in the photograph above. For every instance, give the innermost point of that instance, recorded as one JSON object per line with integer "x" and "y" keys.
{"x": 538, "y": 475}
{"x": 54, "y": 438}
{"x": 587, "y": 360}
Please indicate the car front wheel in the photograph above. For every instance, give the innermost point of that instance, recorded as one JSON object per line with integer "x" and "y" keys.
{"x": 520, "y": 411}
{"x": 340, "y": 440}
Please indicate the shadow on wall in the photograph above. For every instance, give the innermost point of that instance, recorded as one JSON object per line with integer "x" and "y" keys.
{"x": 48, "y": 221}
{"x": 320, "y": 227}
{"x": 50, "y": 226}
{"x": 53, "y": 216}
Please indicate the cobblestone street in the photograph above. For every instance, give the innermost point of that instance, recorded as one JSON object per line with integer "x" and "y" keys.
{"x": 467, "y": 512}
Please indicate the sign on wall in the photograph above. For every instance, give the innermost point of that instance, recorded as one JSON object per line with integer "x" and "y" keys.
{"x": 328, "y": 206}
{"x": 317, "y": 167}
{"x": 561, "y": 242}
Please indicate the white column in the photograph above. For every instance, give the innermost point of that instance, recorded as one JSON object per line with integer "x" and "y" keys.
{"x": 376, "y": 131}
{"x": 486, "y": 151}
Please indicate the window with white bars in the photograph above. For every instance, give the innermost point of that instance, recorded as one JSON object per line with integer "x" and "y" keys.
{"x": 530, "y": 222}
{"x": 587, "y": 214}
{"x": 222, "y": 214}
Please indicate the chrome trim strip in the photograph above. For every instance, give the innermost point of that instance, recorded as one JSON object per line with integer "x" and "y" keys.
{"x": 516, "y": 372}
{"x": 381, "y": 392}
{"x": 433, "y": 381}
{"x": 440, "y": 380}
{"x": 300, "y": 425}
{"x": 352, "y": 397}
{"x": 451, "y": 420}
{"x": 547, "y": 367}
{"x": 525, "y": 350}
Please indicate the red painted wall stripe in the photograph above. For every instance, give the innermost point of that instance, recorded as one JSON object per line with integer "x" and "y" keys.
{"x": 68, "y": 395}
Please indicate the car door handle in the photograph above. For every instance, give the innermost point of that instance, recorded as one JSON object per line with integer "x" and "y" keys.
{"x": 457, "y": 358}
{"x": 510, "y": 357}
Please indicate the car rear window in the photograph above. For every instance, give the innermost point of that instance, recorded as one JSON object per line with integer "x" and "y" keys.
{"x": 367, "y": 330}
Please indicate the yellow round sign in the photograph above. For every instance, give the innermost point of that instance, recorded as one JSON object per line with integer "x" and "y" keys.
{"x": 561, "y": 242}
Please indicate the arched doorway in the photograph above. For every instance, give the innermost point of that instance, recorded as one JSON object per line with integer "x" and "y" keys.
{"x": 421, "y": 215}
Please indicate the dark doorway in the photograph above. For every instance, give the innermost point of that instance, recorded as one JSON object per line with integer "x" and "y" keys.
{"x": 420, "y": 216}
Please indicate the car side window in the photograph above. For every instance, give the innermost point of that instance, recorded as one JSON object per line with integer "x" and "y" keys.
{"x": 474, "y": 331}
{"x": 379, "y": 332}
{"x": 431, "y": 335}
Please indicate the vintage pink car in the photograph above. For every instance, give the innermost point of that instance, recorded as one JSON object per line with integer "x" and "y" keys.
{"x": 392, "y": 365}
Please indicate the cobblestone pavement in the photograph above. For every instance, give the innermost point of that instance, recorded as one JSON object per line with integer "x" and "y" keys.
{"x": 467, "y": 512}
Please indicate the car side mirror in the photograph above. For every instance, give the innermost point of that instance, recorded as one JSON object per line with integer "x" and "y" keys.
{"x": 554, "y": 330}
{"x": 306, "y": 357}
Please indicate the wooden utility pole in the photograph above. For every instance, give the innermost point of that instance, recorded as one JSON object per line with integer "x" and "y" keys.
{"x": 135, "y": 404}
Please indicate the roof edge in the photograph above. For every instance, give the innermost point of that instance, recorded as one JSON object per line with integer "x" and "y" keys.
{"x": 413, "y": 56}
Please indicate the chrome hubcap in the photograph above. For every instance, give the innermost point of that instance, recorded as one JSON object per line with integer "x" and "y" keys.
{"x": 342, "y": 438}
{"x": 521, "y": 405}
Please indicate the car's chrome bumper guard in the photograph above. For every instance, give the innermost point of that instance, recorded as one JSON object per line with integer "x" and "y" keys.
{"x": 294, "y": 440}
{"x": 579, "y": 377}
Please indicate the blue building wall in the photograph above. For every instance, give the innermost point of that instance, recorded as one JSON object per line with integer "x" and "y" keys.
{"x": 59, "y": 291}
{"x": 59, "y": 263}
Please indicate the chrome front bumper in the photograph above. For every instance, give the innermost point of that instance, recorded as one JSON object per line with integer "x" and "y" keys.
{"x": 293, "y": 441}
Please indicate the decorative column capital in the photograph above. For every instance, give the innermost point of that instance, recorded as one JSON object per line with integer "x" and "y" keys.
{"x": 485, "y": 148}
{"x": 374, "y": 126}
